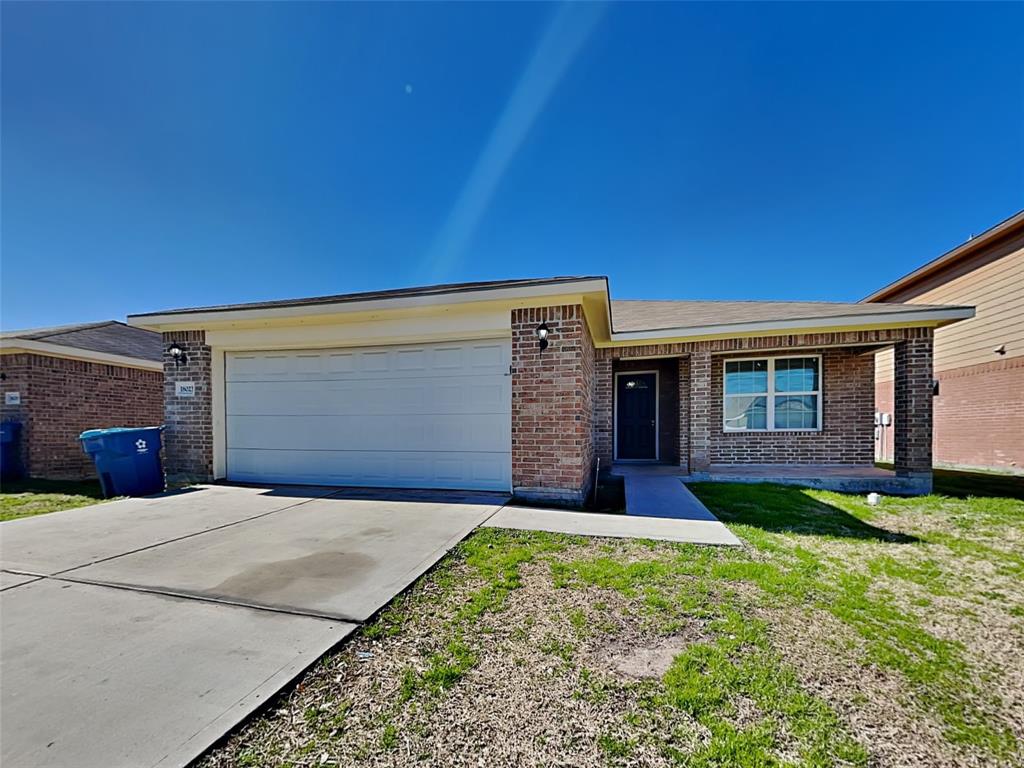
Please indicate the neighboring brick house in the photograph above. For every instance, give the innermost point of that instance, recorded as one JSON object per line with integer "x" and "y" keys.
{"x": 58, "y": 382}
{"x": 979, "y": 364}
{"x": 524, "y": 386}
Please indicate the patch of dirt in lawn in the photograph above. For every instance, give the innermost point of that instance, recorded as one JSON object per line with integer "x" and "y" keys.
{"x": 638, "y": 663}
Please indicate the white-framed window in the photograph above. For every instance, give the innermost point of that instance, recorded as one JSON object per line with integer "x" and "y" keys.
{"x": 772, "y": 394}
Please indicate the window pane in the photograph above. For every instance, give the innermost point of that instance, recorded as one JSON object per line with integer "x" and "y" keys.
{"x": 796, "y": 412}
{"x": 796, "y": 374}
{"x": 743, "y": 376}
{"x": 746, "y": 412}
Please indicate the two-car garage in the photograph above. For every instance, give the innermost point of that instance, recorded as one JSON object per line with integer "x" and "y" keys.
{"x": 406, "y": 416}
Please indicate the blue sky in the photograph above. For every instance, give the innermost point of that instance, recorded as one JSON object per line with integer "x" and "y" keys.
{"x": 181, "y": 154}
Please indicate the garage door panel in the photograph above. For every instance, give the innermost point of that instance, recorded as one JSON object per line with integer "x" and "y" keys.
{"x": 478, "y": 432}
{"x": 411, "y": 396}
{"x": 432, "y": 415}
{"x": 369, "y": 469}
{"x": 483, "y": 358}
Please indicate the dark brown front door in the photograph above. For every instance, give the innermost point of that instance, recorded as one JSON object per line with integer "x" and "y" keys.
{"x": 636, "y": 401}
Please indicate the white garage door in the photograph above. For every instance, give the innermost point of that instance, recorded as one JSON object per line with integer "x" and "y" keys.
{"x": 418, "y": 416}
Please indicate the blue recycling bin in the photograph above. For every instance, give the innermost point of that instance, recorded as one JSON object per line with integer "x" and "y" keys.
{"x": 10, "y": 451}
{"x": 127, "y": 459}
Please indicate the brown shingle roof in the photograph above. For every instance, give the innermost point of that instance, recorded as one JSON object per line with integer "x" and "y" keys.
{"x": 109, "y": 336}
{"x": 639, "y": 315}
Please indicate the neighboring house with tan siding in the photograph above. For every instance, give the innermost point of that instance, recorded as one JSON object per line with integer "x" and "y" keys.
{"x": 979, "y": 363}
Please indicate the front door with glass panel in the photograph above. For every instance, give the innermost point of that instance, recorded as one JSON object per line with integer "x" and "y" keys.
{"x": 636, "y": 424}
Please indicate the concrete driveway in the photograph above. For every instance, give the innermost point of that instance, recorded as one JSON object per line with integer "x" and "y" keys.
{"x": 138, "y": 632}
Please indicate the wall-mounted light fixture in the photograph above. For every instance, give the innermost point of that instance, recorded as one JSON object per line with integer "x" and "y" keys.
{"x": 542, "y": 336}
{"x": 178, "y": 354}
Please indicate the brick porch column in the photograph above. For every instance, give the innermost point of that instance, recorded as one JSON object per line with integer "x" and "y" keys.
{"x": 684, "y": 413}
{"x": 603, "y": 410}
{"x": 699, "y": 411}
{"x": 188, "y": 433}
{"x": 912, "y": 428}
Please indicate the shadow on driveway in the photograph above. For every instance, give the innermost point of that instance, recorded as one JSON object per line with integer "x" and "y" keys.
{"x": 415, "y": 495}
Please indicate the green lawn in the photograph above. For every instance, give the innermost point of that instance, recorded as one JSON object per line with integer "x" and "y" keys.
{"x": 839, "y": 635}
{"x": 37, "y": 497}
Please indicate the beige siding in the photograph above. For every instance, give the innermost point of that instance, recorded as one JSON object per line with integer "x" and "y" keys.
{"x": 996, "y": 290}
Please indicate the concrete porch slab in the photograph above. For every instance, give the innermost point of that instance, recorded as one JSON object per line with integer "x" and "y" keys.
{"x": 614, "y": 526}
{"x": 829, "y": 477}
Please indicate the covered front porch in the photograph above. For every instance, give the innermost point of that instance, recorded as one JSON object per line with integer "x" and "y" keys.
{"x": 797, "y": 411}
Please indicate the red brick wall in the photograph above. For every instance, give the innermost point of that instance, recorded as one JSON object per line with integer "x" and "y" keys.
{"x": 188, "y": 438}
{"x": 978, "y": 415}
{"x": 552, "y": 405}
{"x": 847, "y": 424}
{"x": 62, "y": 398}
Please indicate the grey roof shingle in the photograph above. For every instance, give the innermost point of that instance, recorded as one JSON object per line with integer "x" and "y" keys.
{"x": 427, "y": 290}
{"x": 110, "y": 336}
{"x": 639, "y": 315}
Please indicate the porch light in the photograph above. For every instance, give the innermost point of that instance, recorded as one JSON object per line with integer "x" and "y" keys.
{"x": 178, "y": 354}
{"x": 542, "y": 335}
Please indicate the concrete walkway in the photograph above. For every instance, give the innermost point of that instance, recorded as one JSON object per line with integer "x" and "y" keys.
{"x": 655, "y": 490}
{"x": 614, "y": 526}
{"x": 658, "y": 506}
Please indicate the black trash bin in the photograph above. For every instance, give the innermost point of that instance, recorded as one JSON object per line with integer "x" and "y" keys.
{"x": 10, "y": 452}
{"x": 127, "y": 459}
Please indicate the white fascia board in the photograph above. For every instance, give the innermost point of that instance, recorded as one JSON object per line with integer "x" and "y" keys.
{"x": 368, "y": 305}
{"x": 768, "y": 327}
{"x": 13, "y": 346}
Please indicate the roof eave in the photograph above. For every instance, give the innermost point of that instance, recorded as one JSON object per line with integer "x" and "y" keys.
{"x": 15, "y": 345}
{"x": 198, "y": 318}
{"x": 924, "y": 317}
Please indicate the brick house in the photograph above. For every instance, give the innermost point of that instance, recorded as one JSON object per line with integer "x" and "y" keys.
{"x": 979, "y": 363}
{"x": 525, "y": 385}
{"x": 58, "y": 382}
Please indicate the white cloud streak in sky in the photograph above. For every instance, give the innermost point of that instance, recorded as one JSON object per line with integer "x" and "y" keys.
{"x": 562, "y": 41}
